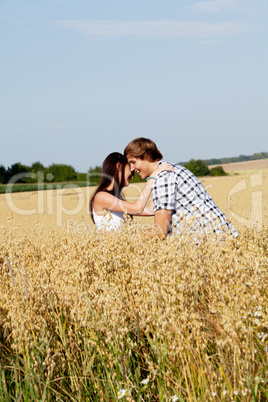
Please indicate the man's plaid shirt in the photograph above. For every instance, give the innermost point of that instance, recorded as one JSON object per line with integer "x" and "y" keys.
{"x": 183, "y": 194}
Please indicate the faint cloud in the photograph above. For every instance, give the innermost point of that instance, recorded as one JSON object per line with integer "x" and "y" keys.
{"x": 152, "y": 29}
{"x": 56, "y": 127}
{"x": 213, "y": 6}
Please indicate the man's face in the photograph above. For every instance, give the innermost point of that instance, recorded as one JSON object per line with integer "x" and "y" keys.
{"x": 141, "y": 166}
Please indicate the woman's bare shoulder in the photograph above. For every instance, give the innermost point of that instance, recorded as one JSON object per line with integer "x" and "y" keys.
{"x": 102, "y": 195}
{"x": 103, "y": 200}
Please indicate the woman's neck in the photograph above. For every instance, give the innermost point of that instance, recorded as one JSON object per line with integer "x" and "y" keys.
{"x": 111, "y": 186}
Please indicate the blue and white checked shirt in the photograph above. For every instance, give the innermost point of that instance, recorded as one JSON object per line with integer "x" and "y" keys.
{"x": 182, "y": 193}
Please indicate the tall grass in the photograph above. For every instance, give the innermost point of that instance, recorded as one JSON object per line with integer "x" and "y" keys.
{"x": 119, "y": 315}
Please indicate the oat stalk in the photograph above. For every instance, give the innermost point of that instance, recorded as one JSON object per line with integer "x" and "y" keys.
{"x": 26, "y": 284}
{"x": 11, "y": 271}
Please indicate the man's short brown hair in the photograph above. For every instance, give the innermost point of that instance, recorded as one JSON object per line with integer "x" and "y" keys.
{"x": 143, "y": 148}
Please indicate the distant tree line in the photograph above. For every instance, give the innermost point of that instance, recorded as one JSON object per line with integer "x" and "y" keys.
{"x": 57, "y": 173}
{"x": 240, "y": 158}
{"x": 54, "y": 173}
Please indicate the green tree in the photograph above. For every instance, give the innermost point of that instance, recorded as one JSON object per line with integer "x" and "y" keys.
{"x": 37, "y": 167}
{"x": 61, "y": 172}
{"x": 197, "y": 167}
{"x": 81, "y": 176}
{"x": 95, "y": 175}
{"x": 38, "y": 170}
{"x": 260, "y": 155}
{"x": 3, "y": 174}
{"x": 19, "y": 173}
{"x": 217, "y": 171}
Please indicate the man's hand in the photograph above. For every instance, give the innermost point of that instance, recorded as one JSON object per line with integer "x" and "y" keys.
{"x": 161, "y": 223}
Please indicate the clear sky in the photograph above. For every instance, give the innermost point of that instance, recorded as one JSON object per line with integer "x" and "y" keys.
{"x": 81, "y": 78}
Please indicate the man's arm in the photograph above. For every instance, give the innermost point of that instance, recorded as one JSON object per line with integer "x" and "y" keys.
{"x": 161, "y": 223}
{"x": 163, "y": 196}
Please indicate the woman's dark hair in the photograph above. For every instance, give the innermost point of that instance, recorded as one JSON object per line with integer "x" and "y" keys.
{"x": 109, "y": 172}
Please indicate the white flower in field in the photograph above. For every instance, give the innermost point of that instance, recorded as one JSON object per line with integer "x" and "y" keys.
{"x": 121, "y": 393}
{"x": 214, "y": 393}
{"x": 145, "y": 381}
{"x": 257, "y": 321}
{"x": 257, "y": 378}
{"x": 266, "y": 348}
{"x": 259, "y": 308}
{"x": 224, "y": 392}
{"x": 213, "y": 311}
{"x": 244, "y": 393}
{"x": 235, "y": 392}
{"x": 257, "y": 314}
{"x": 249, "y": 283}
{"x": 174, "y": 398}
{"x": 261, "y": 335}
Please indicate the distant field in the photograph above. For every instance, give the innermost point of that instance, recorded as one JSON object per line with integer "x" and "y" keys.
{"x": 244, "y": 166}
{"x": 242, "y": 198}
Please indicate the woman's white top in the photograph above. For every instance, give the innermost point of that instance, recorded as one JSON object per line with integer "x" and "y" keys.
{"x": 110, "y": 221}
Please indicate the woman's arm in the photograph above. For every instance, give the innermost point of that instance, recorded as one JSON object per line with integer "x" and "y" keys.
{"x": 104, "y": 200}
{"x": 149, "y": 209}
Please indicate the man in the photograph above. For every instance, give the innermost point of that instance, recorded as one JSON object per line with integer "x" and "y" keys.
{"x": 177, "y": 196}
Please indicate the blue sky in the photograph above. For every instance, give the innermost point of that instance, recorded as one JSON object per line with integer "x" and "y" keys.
{"x": 80, "y": 79}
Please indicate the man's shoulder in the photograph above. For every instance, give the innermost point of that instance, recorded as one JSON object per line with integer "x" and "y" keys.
{"x": 165, "y": 178}
{"x": 164, "y": 161}
{"x": 177, "y": 167}
{"x": 167, "y": 175}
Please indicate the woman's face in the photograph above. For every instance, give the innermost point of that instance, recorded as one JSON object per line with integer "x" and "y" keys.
{"x": 128, "y": 175}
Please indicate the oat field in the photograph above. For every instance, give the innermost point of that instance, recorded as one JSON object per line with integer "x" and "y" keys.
{"x": 90, "y": 317}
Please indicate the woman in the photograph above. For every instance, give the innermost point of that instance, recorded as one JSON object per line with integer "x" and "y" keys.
{"x": 107, "y": 206}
